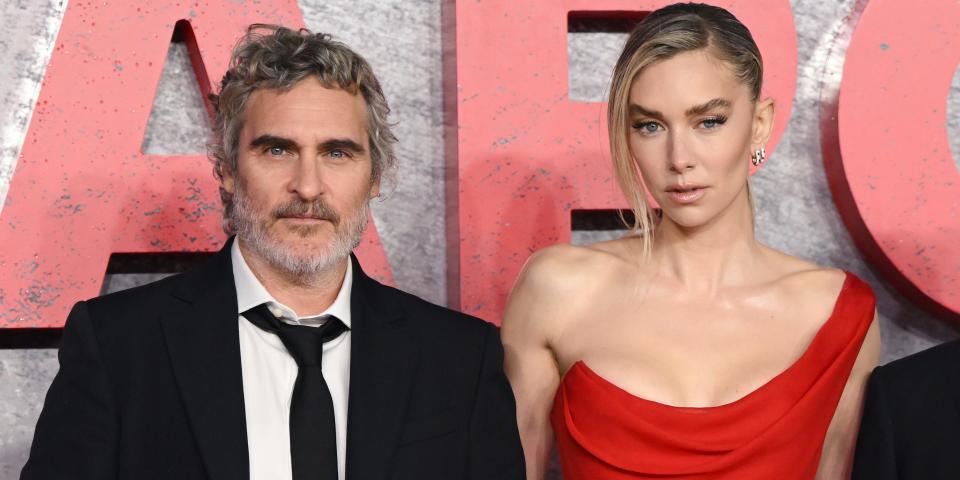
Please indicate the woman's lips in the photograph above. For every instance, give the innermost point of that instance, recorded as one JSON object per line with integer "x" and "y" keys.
{"x": 687, "y": 195}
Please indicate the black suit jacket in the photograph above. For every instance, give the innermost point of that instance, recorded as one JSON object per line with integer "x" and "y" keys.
{"x": 911, "y": 420}
{"x": 150, "y": 387}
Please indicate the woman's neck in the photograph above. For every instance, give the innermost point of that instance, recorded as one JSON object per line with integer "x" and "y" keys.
{"x": 708, "y": 257}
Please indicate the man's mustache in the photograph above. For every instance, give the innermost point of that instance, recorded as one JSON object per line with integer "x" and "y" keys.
{"x": 318, "y": 209}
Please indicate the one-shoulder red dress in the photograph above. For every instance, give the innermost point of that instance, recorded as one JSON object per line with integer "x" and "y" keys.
{"x": 775, "y": 432}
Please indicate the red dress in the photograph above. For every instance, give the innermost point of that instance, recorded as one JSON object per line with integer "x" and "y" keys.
{"x": 775, "y": 432}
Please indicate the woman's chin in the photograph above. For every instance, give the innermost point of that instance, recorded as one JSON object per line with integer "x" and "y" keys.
{"x": 686, "y": 220}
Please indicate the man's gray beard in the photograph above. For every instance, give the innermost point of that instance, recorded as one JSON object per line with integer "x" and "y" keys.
{"x": 254, "y": 234}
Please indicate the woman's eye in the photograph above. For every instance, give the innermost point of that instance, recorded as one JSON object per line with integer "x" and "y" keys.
{"x": 711, "y": 123}
{"x": 647, "y": 127}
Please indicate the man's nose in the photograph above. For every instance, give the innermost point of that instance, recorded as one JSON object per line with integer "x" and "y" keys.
{"x": 307, "y": 181}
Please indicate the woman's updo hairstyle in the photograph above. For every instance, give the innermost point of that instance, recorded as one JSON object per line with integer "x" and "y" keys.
{"x": 681, "y": 27}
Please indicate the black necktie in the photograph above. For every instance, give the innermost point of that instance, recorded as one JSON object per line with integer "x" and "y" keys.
{"x": 313, "y": 433}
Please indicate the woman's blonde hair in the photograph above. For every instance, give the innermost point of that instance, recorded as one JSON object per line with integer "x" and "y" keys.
{"x": 673, "y": 29}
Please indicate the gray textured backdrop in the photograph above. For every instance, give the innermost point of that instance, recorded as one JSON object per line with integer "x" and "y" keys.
{"x": 402, "y": 40}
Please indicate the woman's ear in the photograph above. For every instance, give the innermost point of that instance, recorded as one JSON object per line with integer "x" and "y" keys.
{"x": 763, "y": 114}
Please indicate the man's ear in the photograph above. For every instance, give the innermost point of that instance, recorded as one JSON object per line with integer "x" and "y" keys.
{"x": 375, "y": 189}
{"x": 228, "y": 181}
{"x": 763, "y": 114}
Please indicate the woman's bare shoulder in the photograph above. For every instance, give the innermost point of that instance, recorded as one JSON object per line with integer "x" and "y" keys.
{"x": 807, "y": 283}
{"x": 813, "y": 276}
{"x": 564, "y": 266}
{"x": 559, "y": 281}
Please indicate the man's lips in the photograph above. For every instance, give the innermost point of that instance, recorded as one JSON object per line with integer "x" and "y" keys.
{"x": 306, "y": 218}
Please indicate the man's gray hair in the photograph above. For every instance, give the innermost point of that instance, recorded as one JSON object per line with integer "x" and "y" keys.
{"x": 275, "y": 57}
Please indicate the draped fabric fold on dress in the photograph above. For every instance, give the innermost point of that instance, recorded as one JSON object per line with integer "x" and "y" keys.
{"x": 776, "y": 431}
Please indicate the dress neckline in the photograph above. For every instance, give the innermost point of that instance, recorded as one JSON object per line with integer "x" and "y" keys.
{"x": 582, "y": 367}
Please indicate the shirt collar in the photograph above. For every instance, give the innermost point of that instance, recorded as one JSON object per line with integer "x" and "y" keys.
{"x": 250, "y": 292}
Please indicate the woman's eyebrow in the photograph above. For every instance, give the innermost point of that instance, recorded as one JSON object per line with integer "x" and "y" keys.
{"x": 646, "y": 112}
{"x": 707, "y": 106}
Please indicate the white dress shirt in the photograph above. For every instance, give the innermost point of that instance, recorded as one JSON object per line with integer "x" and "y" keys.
{"x": 269, "y": 373}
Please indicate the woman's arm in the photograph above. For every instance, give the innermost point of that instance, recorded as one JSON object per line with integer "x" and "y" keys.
{"x": 534, "y": 313}
{"x": 836, "y": 461}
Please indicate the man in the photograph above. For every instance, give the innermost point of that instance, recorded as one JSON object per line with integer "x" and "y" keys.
{"x": 280, "y": 359}
{"x": 911, "y": 421}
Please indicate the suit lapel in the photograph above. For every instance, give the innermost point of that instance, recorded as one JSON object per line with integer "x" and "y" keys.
{"x": 383, "y": 362}
{"x": 203, "y": 340}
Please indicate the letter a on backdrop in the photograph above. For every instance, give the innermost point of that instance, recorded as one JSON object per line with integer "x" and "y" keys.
{"x": 82, "y": 188}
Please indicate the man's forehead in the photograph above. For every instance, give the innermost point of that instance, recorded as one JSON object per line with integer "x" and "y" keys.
{"x": 306, "y": 107}
{"x": 308, "y": 93}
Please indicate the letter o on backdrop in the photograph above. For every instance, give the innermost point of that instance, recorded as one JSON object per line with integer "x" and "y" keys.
{"x": 896, "y": 184}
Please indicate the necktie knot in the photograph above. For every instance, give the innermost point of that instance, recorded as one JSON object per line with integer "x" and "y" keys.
{"x": 305, "y": 344}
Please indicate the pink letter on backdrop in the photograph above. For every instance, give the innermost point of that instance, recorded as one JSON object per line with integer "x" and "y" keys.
{"x": 82, "y": 188}
{"x": 895, "y": 182}
{"x": 528, "y": 155}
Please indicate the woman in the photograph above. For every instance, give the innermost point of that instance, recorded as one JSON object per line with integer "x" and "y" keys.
{"x": 688, "y": 349}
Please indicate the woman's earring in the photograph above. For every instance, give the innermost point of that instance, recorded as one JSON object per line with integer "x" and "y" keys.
{"x": 758, "y": 157}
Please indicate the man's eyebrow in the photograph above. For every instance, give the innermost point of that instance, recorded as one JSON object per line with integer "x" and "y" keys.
{"x": 341, "y": 144}
{"x": 268, "y": 140}
{"x": 707, "y": 106}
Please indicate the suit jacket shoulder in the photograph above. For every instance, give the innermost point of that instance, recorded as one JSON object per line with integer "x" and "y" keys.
{"x": 444, "y": 320}
{"x": 931, "y": 372}
{"x": 122, "y": 306}
{"x": 911, "y": 418}
{"x": 136, "y": 312}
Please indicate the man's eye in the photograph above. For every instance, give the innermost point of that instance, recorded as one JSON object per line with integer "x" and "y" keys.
{"x": 276, "y": 151}
{"x": 338, "y": 154}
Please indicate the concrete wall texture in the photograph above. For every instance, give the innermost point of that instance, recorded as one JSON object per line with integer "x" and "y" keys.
{"x": 402, "y": 39}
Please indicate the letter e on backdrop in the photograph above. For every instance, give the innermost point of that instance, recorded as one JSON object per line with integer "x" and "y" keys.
{"x": 524, "y": 153}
